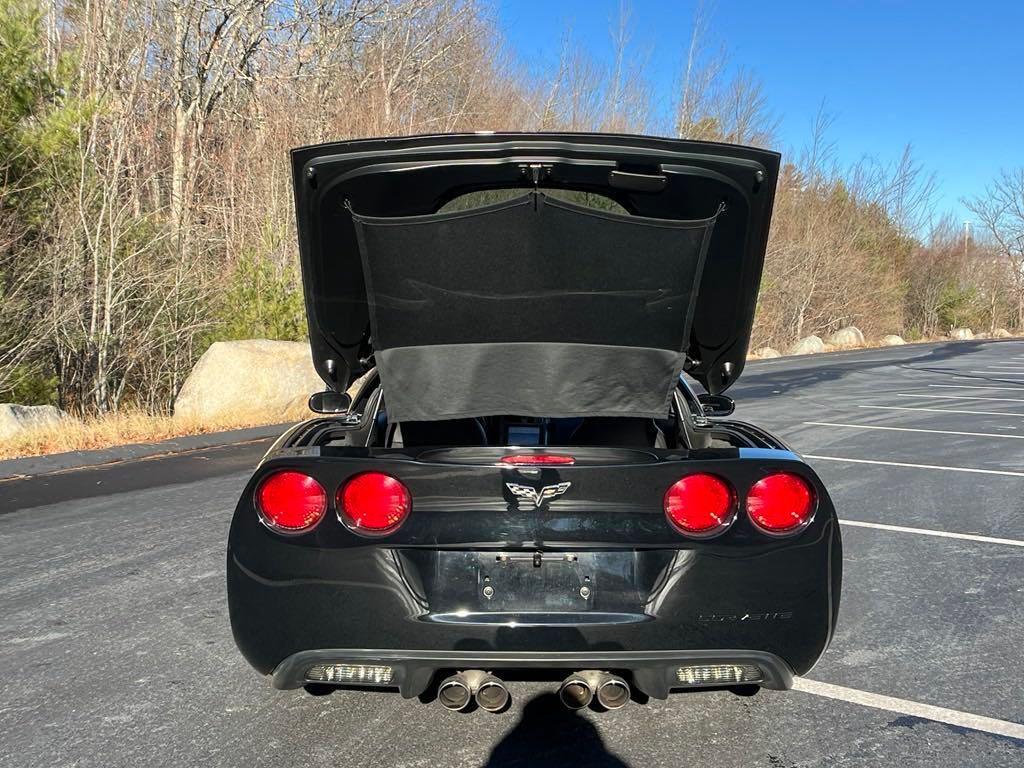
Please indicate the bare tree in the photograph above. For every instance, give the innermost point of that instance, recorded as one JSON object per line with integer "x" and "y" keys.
{"x": 714, "y": 105}
{"x": 835, "y": 251}
{"x": 701, "y": 73}
{"x": 627, "y": 102}
{"x": 213, "y": 48}
{"x": 1000, "y": 211}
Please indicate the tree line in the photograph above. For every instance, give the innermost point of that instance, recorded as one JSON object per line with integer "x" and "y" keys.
{"x": 146, "y": 206}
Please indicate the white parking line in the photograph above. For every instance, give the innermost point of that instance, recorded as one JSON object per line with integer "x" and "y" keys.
{"x": 939, "y": 410}
{"x": 1006, "y": 472}
{"x": 836, "y": 356}
{"x": 930, "y": 532}
{"x": 1000, "y": 374}
{"x": 988, "y": 376}
{"x": 966, "y": 397}
{"x": 912, "y": 708}
{"x": 970, "y": 386}
{"x": 912, "y": 429}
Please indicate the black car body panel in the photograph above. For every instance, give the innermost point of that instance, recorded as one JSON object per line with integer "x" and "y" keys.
{"x": 539, "y": 542}
{"x": 657, "y": 600}
{"x": 646, "y": 176}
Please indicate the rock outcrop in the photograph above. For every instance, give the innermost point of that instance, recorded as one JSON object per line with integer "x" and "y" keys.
{"x": 808, "y": 345}
{"x": 766, "y": 353}
{"x": 961, "y": 334}
{"x": 850, "y": 336}
{"x": 255, "y": 380}
{"x": 18, "y": 418}
{"x": 892, "y": 340}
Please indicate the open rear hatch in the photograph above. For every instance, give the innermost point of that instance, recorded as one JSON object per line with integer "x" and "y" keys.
{"x": 535, "y": 305}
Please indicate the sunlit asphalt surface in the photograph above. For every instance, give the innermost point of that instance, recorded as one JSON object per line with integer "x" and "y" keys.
{"x": 115, "y": 648}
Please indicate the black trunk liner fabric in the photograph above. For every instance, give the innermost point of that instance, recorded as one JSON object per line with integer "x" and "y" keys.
{"x": 532, "y": 307}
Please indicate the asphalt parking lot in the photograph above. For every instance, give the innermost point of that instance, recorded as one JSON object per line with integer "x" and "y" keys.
{"x": 115, "y": 648}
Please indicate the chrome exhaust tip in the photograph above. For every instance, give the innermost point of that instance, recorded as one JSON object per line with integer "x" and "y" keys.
{"x": 613, "y": 692}
{"x": 457, "y": 692}
{"x": 575, "y": 692}
{"x": 492, "y": 695}
{"x": 454, "y": 693}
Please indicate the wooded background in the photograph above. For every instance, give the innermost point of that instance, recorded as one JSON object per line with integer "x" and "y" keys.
{"x": 146, "y": 204}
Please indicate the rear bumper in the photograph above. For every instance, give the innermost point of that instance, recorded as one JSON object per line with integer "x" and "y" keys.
{"x": 654, "y": 673}
{"x": 596, "y": 581}
{"x": 775, "y": 609}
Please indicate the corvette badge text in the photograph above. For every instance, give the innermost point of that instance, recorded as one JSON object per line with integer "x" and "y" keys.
{"x": 712, "y": 618}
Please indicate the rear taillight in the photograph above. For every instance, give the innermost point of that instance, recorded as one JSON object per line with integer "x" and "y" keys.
{"x": 373, "y": 503}
{"x": 290, "y": 501}
{"x": 781, "y": 503}
{"x": 700, "y": 505}
{"x": 538, "y": 460}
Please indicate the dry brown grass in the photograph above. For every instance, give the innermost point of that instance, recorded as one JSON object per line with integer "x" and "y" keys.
{"x": 125, "y": 428}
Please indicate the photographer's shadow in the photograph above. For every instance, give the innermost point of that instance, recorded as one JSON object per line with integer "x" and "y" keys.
{"x": 550, "y": 734}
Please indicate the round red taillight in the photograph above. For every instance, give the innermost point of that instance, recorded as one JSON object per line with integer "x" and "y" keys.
{"x": 700, "y": 505}
{"x": 781, "y": 503}
{"x": 290, "y": 501}
{"x": 374, "y": 503}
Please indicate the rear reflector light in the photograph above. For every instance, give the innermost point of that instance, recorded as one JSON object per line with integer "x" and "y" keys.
{"x": 539, "y": 459}
{"x": 719, "y": 674}
{"x": 700, "y": 505}
{"x": 373, "y": 503}
{"x": 290, "y": 501}
{"x": 350, "y": 673}
{"x": 781, "y": 503}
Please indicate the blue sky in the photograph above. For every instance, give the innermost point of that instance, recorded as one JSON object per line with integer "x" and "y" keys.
{"x": 947, "y": 77}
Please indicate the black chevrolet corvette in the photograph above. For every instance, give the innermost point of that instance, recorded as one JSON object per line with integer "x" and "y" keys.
{"x": 515, "y": 476}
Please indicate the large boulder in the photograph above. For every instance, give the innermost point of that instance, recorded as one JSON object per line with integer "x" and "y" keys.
{"x": 892, "y": 340}
{"x": 1001, "y": 333}
{"x": 961, "y": 334}
{"x": 18, "y": 418}
{"x": 766, "y": 353}
{"x": 850, "y": 336}
{"x": 255, "y": 380}
{"x": 808, "y": 345}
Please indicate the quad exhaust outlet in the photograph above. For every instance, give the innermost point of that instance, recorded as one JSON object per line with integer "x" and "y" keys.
{"x": 613, "y": 692}
{"x": 576, "y": 692}
{"x": 489, "y": 692}
{"x": 580, "y": 689}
